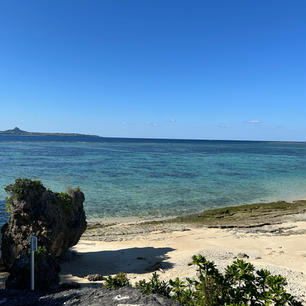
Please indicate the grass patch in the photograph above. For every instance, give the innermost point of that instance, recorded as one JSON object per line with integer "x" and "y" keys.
{"x": 245, "y": 215}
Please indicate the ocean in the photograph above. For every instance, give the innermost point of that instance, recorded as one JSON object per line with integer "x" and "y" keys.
{"x": 149, "y": 178}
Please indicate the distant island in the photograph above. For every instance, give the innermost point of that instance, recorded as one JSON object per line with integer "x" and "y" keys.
{"x": 18, "y": 132}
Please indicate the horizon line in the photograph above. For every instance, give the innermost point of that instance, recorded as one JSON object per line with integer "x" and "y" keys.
{"x": 153, "y": 138}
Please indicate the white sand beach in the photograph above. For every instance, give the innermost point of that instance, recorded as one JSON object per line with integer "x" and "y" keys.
{"x": 279, "y": 248}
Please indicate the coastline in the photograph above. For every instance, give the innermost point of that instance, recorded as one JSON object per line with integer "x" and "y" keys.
{"x": 242, "y": 216}
{"x": 112, "y": 220}
{"x": 166, "y": 246}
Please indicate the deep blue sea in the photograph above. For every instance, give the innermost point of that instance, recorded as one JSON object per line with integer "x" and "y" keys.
{"x": 154, "y": 178}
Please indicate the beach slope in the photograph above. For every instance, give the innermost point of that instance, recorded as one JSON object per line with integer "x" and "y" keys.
{"x": 271, "y": 237}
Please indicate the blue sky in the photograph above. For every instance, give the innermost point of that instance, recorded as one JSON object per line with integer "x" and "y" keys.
{"x": 155, "y": 68}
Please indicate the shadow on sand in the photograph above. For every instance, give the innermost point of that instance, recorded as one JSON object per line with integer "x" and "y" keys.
{"x": 132, "y": 260}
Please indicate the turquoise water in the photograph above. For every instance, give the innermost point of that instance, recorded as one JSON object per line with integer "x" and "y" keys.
{"x": 154, "y": 178}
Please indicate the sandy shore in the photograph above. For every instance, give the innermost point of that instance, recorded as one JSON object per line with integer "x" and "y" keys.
{"x": 272, "y": 236}
{"x": 138, "y": 249}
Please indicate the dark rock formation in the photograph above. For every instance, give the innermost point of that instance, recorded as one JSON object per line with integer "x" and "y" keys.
{"x": 46, "y": 273}
{"x": 69, "y": 285}
{"x": 95, "y": 277}
{"x": 83, "y": 297}
{"x": 57, "y": 219}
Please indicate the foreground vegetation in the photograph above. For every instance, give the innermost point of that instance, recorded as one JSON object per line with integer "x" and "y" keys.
{"x": 24, "y": 188}
{"x": 240, "y": 285}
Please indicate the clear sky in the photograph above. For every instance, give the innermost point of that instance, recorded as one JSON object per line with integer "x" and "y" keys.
{"x": 231, "y": 69}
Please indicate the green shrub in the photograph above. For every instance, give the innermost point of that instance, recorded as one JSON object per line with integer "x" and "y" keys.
{"x": 240, "y": 285}
{"x": 22, "y": 188}
{"x": 154, "y": 285}
{"x": 70, "y": 190}
{"x": 117, "y": 281}
{"x": 64, "y": 200}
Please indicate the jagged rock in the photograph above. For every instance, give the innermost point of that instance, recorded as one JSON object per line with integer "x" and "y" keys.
{"x": 95, "y": 277}
{"x": 46, "y": 273}
{"x": 83, "y": 297}
{"x": 57, "y": 219}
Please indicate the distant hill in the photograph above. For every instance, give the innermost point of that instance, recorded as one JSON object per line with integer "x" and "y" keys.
{"x": 18, "y": 132}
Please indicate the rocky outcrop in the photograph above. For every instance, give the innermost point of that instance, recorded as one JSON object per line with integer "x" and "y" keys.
{"x": 57, "y": 219}
{"x": 83, "y": 297}
{"x": 46, "y": 273}
{"x": 95, "y": 277}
